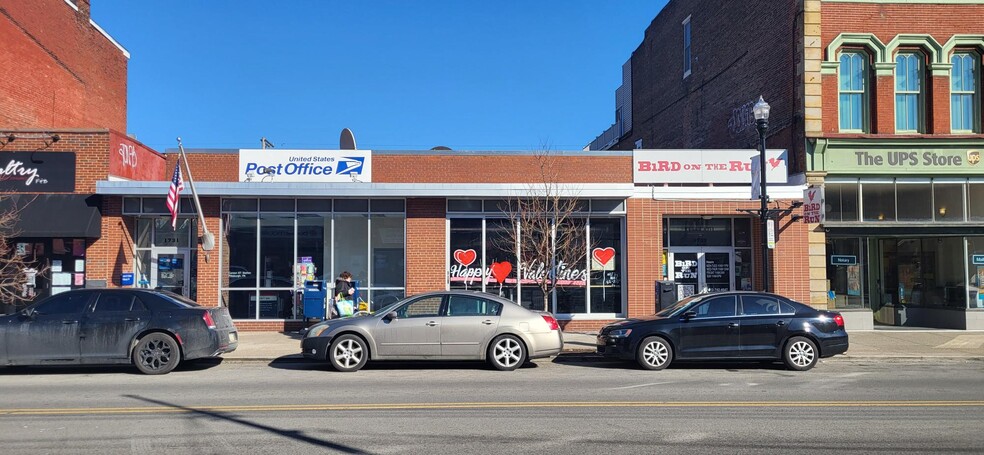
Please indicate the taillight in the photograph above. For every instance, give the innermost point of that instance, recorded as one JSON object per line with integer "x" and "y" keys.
{"x": 207, "y": 317}
{"x": 839, "y": 320}
{"x": 551, "y": 321}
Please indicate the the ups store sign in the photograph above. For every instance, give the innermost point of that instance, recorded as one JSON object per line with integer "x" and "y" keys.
{"x": 904, "y": 161}
{"x": 37, "y": 172}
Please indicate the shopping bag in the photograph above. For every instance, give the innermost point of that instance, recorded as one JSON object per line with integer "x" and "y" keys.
{"x": 345, "y": 307}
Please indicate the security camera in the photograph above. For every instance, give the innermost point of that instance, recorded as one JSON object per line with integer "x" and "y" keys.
{"x": 55, "y": 138}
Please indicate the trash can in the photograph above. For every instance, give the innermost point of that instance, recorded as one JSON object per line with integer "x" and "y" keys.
{"x": 665, "y": 295}
{"x": 315, "y": 293}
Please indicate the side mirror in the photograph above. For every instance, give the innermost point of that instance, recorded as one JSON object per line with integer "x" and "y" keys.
{"x": 689, "y": 315}
{"x": 391, "y": 316}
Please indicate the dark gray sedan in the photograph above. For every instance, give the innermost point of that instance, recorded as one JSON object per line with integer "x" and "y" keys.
{"x": 449, "y": 325}
{"x": 154, "y": 330}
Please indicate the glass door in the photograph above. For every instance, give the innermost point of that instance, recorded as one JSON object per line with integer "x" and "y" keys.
{"x": 698, "y": 270}
{"x": 170, "y": 272}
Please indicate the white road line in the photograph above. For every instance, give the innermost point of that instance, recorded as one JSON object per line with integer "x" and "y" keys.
{"x": 641, "y": 385}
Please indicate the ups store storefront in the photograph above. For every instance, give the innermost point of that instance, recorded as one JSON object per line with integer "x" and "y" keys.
{"x": 401, "y": 223}
{"x": 904, "y": 228}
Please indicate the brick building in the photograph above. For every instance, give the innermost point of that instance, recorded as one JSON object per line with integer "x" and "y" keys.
{"x": 62, "y": 118}
{"x": 865, "y": 94}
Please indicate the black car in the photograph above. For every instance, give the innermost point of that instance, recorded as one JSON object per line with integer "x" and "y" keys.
{"x": 154, "y": 330}
{"x": 728, "y": 326}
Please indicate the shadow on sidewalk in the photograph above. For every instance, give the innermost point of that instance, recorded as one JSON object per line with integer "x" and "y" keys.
{"x": 185, "y": 366}
{"x": 301, "y": 364}
{"x": 599, "y": 362}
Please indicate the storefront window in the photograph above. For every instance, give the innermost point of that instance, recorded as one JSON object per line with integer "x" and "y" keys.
{"x": 975, "y": 201}
{"x": 351, "y": 245}
{"x": 878, "y": 201}
{"x": 700, "y": 231}
{"x": 240, "y": 250}
{"x": 948, "y": 202}
{"x": 925, "y": 271}
{"x": 845, "y": 272}
{"x": 841, "y": 201}
{"x": 465, "y": 268}
{"x": 914, "y": 201}
{"x": 975, "y": 289}
{"x": 386, "y": 234}
{"x": 606, "y": 266}
{"x": 500, "y": 259}
{"x": 314, "y": 242}
{"x": 276, "y": 251}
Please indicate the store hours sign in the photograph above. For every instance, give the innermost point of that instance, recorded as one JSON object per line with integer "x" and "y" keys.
{"x": 37, "y": 172}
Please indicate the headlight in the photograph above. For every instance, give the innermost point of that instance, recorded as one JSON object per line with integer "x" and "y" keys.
{"x": 620, "y": 333}
{"x": 317, "y": 330}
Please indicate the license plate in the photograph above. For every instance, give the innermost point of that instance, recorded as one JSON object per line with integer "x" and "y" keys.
{"x": 232, "y": 336}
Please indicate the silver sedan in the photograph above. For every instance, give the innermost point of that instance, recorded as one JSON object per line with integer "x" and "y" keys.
{"x": 448, "y": 325}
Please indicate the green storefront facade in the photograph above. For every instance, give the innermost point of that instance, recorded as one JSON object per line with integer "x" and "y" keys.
{"x": 904, "y": 228}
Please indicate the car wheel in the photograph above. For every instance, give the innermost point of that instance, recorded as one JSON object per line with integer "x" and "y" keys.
{"x": 507, "y": 353}
{"x": 800, "y": 354}
{"x": 156, "y": 353}
{"x": 654, "y": 353}
{"x": 348, "y": 353}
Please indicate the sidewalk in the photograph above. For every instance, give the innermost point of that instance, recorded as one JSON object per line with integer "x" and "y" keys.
{"x": 872, "y": 344}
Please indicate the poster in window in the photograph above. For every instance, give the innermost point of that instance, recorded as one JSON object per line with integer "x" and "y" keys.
{"x": 78, "y": 247}
{"x": 854, "y": 280}
{"x": 58, "y": 246}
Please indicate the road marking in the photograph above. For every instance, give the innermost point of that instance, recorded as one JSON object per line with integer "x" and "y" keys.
{"x": 484, "y": 405}
{"x": 641, "y": 385}
{"x": 964, "y": 342}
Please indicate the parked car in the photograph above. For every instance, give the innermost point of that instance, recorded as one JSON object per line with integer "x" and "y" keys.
{"x": 153, "y": 330}
{"x": 450, "y": 325}
{"x": 728, "y": 326}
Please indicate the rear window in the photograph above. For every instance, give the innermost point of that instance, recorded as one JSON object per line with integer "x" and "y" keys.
{"x": 178, "y": 299}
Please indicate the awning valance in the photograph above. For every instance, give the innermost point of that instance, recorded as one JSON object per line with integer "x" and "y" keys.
{"x": 55, "y": 215}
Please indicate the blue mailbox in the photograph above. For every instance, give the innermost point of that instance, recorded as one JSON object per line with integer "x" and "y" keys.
{"x": 315, "y": 294}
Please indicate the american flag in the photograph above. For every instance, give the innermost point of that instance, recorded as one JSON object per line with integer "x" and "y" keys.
{"x": 174, "y": 194}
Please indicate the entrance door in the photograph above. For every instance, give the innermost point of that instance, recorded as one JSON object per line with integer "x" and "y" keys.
{"x": 697, "y": 270}
{"x": 170, "y": 272}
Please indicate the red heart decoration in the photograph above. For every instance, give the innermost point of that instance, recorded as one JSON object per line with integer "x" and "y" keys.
{"x": 500, "y": 270}
{"x": 603, "y": 255}
{"x": 774, "y": 162}
{"x": 465, "y": 257}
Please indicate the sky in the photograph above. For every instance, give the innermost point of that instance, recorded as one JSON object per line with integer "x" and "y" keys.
{"x": 402, "y": 75}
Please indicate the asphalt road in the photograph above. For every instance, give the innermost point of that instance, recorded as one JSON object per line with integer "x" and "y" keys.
{"x": 563, "y": 406}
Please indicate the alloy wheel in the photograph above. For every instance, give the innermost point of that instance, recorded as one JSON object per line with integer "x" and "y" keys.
{"x": 801, "y": 354}
{"x": 655, "y": 353}
{"x": 348, "y": 353}
{"x": 508, "y": 352}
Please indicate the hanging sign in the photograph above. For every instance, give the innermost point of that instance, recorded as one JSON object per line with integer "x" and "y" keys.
{"x": 813, "y": 205}
{"x": 772, "y": 234}
{"x": 836, "y": 259}
{"x": 978, "y": 259}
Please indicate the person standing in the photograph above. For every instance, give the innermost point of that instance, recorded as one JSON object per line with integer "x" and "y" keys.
{"x": 344, "y": 291}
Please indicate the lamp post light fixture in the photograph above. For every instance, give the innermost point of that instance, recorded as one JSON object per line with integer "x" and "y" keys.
{"x": 761, "y": 112}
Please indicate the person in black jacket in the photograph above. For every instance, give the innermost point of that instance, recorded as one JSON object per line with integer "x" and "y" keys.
{"x": 344, "y": 291}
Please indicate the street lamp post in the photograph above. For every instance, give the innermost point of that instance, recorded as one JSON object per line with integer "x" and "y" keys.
{"x": 761, "y": 112}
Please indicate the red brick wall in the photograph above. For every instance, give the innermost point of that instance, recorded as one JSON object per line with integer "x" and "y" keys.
{"x": 207, "y": 167}
{"x": 886, "y": 21}
{"x": 740, "y": 50}
{"x": 426, "y": 245}
{"x": 58, "y": 70}
{"x": 112, "y": 254}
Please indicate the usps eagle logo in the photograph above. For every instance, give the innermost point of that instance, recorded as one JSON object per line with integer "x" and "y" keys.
{"x": 349, "y": 165}
{"x": 974, "y": 157}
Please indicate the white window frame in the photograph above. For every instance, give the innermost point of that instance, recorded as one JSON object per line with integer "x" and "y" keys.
{"x": 919, "y": 92}
{"x": 686, "y": 47}
{"x": 975, "y": 93}
{"x": 865, "y": 117}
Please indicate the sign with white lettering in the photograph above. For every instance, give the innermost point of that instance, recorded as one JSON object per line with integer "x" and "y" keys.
{"x": 705, "y": 166}
{"x": 37, "y": 172}
{"x": 843, "y": 259}
{"x": 813, "y": 205}
{"x": 132, "y": 160}
{"x": 318, "y": 166}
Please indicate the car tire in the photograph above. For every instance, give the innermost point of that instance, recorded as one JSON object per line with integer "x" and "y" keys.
{"x": 800, "y": 354}
{"x": 156, "y": 353}
{"x": 506, "y": 353}
{"x": 654, "y": 353}
{"x": 348, "y": 353}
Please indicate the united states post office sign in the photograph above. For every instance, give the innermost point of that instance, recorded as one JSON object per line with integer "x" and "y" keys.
{"x": 37, "y": 172}
{"x": 705, "y": 166}
{"x": 312, "y": 166}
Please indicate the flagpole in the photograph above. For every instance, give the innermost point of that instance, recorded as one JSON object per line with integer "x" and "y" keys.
{"x": 208, "y": 240}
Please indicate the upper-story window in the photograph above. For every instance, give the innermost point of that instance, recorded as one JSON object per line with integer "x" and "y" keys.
{"x": 908, "y": 92}
{"x": 686, "y": 47}
{"x": 965, "y": 93}
{"x": 853, "y": 88}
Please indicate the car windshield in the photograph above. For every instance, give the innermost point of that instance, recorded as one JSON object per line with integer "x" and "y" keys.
{"x": 179, "y": 299}
{"x": 676, "y": 308}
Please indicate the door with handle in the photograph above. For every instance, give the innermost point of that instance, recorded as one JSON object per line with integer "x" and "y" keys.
{"x": 415, "y": 332}
{"x": 469, "y": 324}
{"x": 51, "y": 333}
{"x": 112, "y": 322}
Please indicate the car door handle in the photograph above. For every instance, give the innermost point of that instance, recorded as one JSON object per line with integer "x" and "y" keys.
{"x": 780, "y": 323}
{"x": 487, "y": 322}
{"x": 131, "y": 319}
{"x": 733, "y": 325}
{"x": 432, "y": 324}
{"x": 70, "y": 322}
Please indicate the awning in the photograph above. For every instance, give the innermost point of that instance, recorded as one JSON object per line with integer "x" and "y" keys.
{"x": 55, "y": 215}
